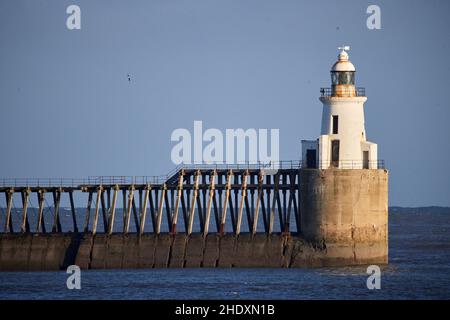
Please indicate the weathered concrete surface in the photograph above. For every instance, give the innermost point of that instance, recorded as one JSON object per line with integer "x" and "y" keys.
{"x": 345, "y": 212}
{"x": 117, "y": 251}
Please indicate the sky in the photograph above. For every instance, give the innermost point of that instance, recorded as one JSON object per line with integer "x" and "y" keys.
{"x": 69, "y": 110}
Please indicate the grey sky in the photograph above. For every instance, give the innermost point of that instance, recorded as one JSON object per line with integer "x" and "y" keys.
{"x": 67, "y": 108}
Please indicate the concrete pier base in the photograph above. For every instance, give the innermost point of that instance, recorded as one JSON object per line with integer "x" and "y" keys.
{"x": 34, "y": 252}
{"x": 346, "y": 212}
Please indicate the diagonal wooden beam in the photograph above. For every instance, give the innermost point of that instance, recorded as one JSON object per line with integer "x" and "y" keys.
{"x": 112, "y": 210}
{"x": 264, "y": 213}
{"x": 173, "y": 229}
{"x": 41, "y": 199}
{"x": 212, "y": 181}
{"x": 243, "y": 198}
{"x": 135, "y": 215}
{"x": 225, "y": 202}
{"x": 9, "y": 200}
{"x": 258, "y": 200}
{"x": 56, "y": 202}
{"x": 97, "y": 209}
{"x": 25, "y": 198}
{"x": 274, "y": 202}
{"x": 126, "y": 227}
{"x": 73, "y": 211}
{"x": 88, "y": 212}
{"x": 194, "y": 199}
{"x": 160, "y": 208}
{"x": 144, "y": 209}
{"x": 104, "y": 210}
{"x": 168, "y": 210}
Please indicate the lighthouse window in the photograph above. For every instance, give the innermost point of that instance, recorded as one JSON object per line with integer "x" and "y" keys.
{"x": 343, "y": 77}
{"x": 334, "y": 78}
{"x": 335, "y": 124}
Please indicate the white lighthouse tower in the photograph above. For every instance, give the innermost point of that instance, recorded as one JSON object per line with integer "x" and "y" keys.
{"x": 342, "y": 143}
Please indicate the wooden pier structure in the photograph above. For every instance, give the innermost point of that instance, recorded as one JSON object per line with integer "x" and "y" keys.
{"x": 212, "y": 195}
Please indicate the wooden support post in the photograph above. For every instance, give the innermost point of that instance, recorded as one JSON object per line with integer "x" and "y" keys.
{"x": 264, "y": 212}
{"x": 194, "y": 199}
{"x": 233, "y": 215}
{"x": 297, "y": 213}
{"x": 104, "y": 211}
{"x": 56, "y": 202}
{"x": 225, "y": 202}
{"x": 251, "y": 213}
{"x": 280, "y": 212}
{"x": 97, "y": 209}
{"x": 144, "y": 209}
{"x": 173, "y": 229}
{"x": 88, "y": 212}
{"x": 294, "y": 189}
{"x": 218, "y": 209}
{"x": 203, "y": 212}
{"x": 74, "y": 213}
{"x": 188, "y": 196}
{"x": 25, "y": 197}
{"x": 160, "y": 209}
{"x": 258, "y": 199}
{"x": 185, "y": 212}
{"x": 168, "y": 210}
{"x": 140, "y": 200}
{"x": 241, "y": 206}
{"x": 288, "y": 216}
{"x": 248, "y": 213}
{"x": 41, "y": 199}
{"x": 112, "y": 212}
{"x": 216, "y": 214}
{"x": 236, "y": 196}
{"x": 268, "y": 211}
{"x": 212, "y": 181}
{"x": 290, "y": 201}
{"x": 108, "y": 199}
{"x": 129, "y": 208}
{"x": 152, "y": 209}
{"x": 124, "y": 210}
{"x": 283, "y": 229}
{"x": 135, "y": 215}
{"x": 200, "y": 212}
{"x": 9, "y": 200}
{"x": 276, "y": 179}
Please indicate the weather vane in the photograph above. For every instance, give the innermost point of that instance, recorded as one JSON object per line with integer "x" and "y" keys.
{"x": 344, "y": 48}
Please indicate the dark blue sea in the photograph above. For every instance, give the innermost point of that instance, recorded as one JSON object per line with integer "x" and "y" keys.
{"x": 419, "y": 268}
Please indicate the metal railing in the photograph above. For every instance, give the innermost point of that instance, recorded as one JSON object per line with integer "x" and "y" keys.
{"x": 329, "y": 92}
{"x": 346, "y": 164}
{"x": 43, "y": 182}
{"x": 272, "y": 165}
{"x": 130, "y": 180}
{"x": 125, "y": 180}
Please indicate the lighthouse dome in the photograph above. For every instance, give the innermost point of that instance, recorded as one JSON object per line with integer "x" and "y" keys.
{"x": 343, "y": 64}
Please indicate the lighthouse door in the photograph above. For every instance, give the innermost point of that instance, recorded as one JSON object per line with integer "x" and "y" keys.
{"x": 311, "y": 158}
{"x": 365, "y": 159}
{"x": 335, "y": 153}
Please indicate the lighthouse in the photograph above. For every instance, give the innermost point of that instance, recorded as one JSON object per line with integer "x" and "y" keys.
{"x": 343, "y": 186}
{"x": 342, "y": 143}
